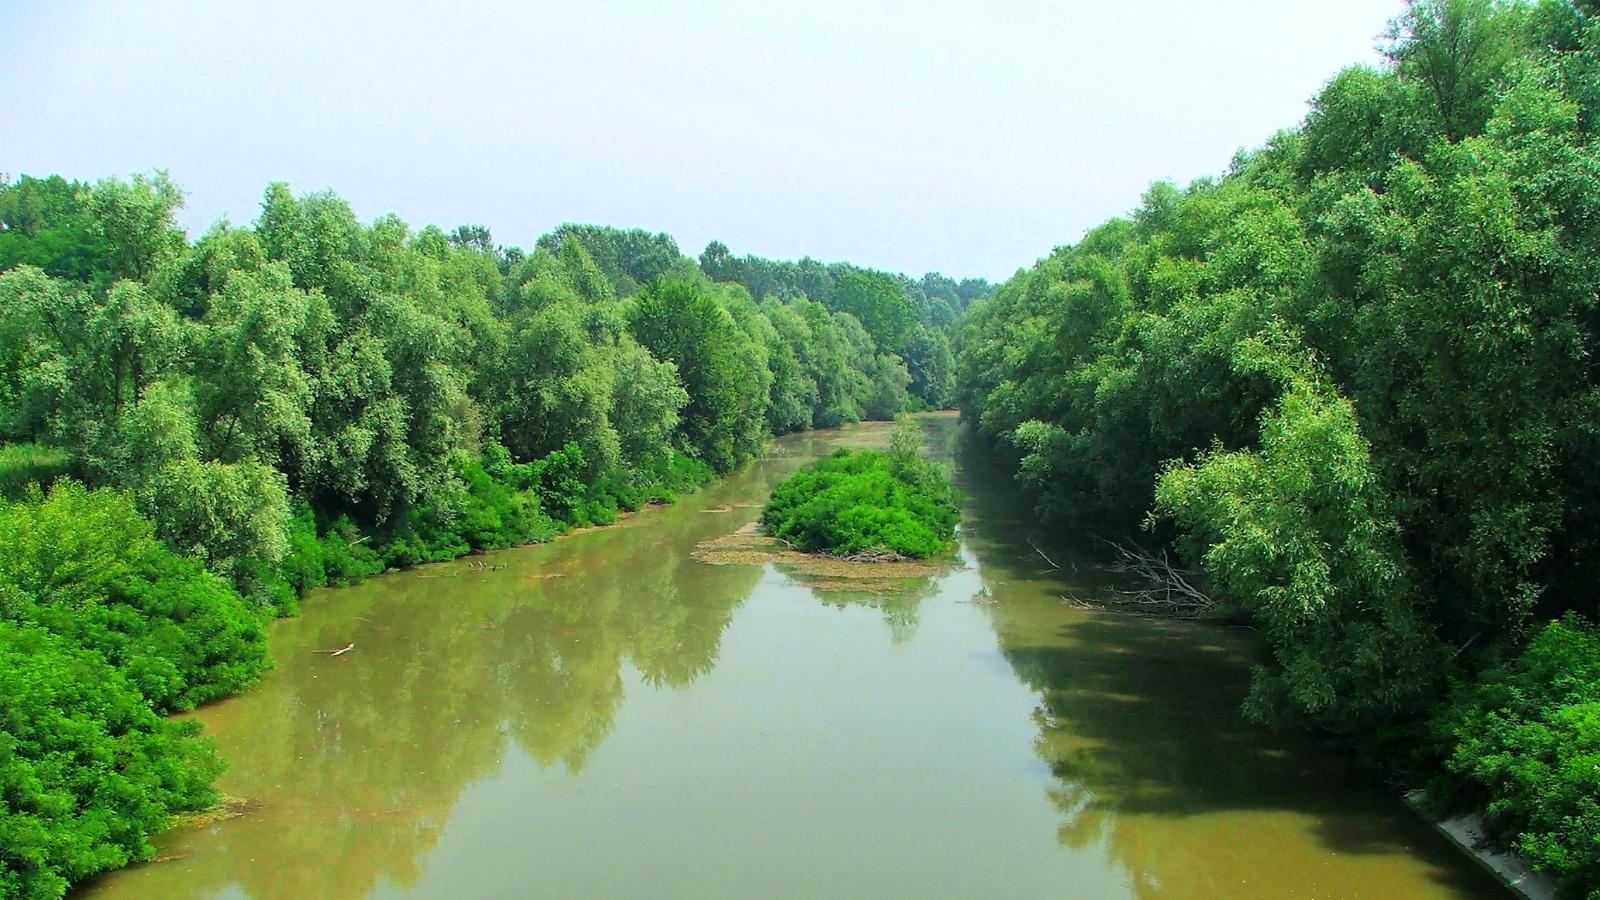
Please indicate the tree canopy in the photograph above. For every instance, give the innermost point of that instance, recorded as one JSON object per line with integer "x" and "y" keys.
{"x": 1351, "y": 379}
{"x": 225, "y": 423}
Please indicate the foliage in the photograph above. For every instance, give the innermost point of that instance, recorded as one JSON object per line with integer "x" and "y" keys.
{"x": 1298, "y": 533}
{"x": 909, "y": 318}
{"x": 331, "y": 553}
{"x": 865, "y": 501}
{"x": 88, "y": 772}
{"x": 685, "y": 324}
{"x": 1351, "y": 379}
{"x": 1523, "y": 744}
{"x": 229, "y": 515}
{"x": 309, "y": 399}
{"x": 25, "y": 464}
{"x": 86, "y": 566}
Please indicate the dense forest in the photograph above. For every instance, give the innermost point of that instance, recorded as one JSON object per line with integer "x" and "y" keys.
{"x": 195, "y": 433}
{"x": 1354, "y": 381}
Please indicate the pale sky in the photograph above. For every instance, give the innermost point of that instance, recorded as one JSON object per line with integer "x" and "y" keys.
{"x": 967, "y": 138}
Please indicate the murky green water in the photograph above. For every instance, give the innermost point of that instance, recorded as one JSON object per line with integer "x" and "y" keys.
{"x": 607, "y": 717}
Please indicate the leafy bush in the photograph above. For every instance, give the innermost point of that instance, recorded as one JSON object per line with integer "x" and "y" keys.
{"x": 1523, "y": 744}
{"x": 229, "y": 515}
{"x": 1298, "y": 532}
{"x": 1429, "y": 250}
{"x": 864, "y": 500}
{"x": 25, "y": 464}
{"x": 492, "y": 504}
{"x": 332, "y": 553}
{"x": 87, "y": 771}
{"x": 85, "y": 565}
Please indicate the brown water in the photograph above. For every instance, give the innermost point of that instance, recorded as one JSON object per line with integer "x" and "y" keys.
{"x": 607, "y": 717}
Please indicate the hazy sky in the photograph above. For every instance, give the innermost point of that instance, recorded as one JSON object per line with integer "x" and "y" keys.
{"x": 968, "y": 138}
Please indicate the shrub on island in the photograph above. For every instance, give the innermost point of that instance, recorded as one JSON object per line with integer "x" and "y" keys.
{"x": 865, "y": 502}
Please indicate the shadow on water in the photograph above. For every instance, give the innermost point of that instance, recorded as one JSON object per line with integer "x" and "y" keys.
{"x": 1139, "y": 723}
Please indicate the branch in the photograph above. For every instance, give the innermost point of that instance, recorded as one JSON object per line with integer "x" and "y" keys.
{"x": 1168, "y": 589}
{"x": 1041, "y": 553}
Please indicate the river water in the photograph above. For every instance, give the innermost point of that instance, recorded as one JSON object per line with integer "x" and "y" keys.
{"x": 605, "y": 716}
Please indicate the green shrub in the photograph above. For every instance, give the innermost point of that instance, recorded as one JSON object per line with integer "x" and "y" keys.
{"x": 864, "y": 500}
{"x": 1522, "y": 743}
{"x": 302, "y": 565}
{"x": 231, "y": 516}
{"x": 85, "y": 565}
{"x": 491, "y": 505}
{"x": 324, "y": 553}
{"x": 25, "y": 464}
{"x": 87, "y": 771}
{"x": 346, "y": 557}
{"x": 681, "y": 474}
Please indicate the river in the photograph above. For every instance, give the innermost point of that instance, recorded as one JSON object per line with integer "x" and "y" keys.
{"x": 606, "y": 716}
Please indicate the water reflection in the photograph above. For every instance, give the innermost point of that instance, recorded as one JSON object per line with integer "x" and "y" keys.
{"x": 608, "y": 716}
{"x": 1138, "y": 721}
{"x": 351, "y": 766}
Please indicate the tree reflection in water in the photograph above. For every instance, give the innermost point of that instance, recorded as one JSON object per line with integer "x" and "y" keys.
{"x": 351, "y": 766}
{"x": 1152, "y": 761}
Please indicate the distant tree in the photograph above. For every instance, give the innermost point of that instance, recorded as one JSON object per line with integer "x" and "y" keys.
{"x": 1456, "y": 50}
{"x": 135, "y": 219}
{"x": 879, "y": 301}
{"x": 473, "y": 237}
{"x": 718, "y": 263}
{"x": 683, "y": 323}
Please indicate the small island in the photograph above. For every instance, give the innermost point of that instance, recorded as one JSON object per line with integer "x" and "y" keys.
{"x": 867, "y": 505}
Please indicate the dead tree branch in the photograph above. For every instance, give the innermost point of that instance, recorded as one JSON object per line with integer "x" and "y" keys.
{"x": 1041, "y": 554}
{"x": 1164, "y": 590}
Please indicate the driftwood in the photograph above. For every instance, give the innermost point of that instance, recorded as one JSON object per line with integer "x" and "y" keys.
{"x": 339, "y": 652}
{"x": 1041, "y": 554}
{"x": 868, "y": 555}
{"x": 1165, "y": 590}
{"x": 872, "y": 556}
{"x": 477, "y": 566}
{"x": 1053, "y": 563}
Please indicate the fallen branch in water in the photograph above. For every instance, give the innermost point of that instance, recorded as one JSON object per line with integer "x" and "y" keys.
{"x": 1041, "y": 554}
{"x": 1463, "y": 648}
{"x": 1169, "y": 590}
{"x": 339, "y": 652}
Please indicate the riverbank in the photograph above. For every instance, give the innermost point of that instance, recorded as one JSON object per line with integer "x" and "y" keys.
{"x": 609, "y": 716}
{"x": 1469, "y": 834}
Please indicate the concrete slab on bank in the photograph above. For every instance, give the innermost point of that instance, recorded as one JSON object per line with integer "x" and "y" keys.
{"x": 1468, "y": 833}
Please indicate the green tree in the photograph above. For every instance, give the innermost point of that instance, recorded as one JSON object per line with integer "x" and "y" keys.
{"x": 879, "y": 301}
{"x": 683, "y": 323}
{"x": 135, "y": 219}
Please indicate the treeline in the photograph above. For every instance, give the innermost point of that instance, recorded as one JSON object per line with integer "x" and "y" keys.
{"x": 909, "y": 318}
{"x": 234, "y": 420}
{"x": 1354, "y": 381}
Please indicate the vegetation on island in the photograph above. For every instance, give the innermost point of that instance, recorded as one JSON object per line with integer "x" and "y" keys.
{"x": 1352, "y": 380}
{"x": 867, "y": 503}
{"x": 194, "y": 433}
